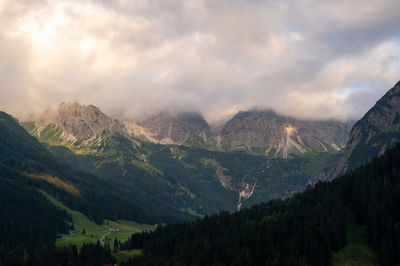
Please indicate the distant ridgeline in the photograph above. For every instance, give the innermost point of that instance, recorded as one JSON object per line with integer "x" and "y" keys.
{"x": 256, "y": 132}
{"x": 106, "y": 174}
{"x": 29, "y": 221}
{"x": 302, "y": 230}
{"x": 174, "y": 168}
{"x": 179, "y": 162}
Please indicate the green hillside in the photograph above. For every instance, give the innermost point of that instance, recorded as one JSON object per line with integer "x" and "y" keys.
{"x": 30, "y": 221}
{"x": 87, "y": 231}
{"x": 178, "y": 177}
{"x": 353, "y": 220}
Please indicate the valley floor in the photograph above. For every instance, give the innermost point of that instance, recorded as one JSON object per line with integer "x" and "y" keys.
{"x": 87, "y": 231}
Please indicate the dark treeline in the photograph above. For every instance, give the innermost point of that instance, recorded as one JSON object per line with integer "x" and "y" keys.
{"x": 100, "y": 198}
{"x": 29, "y": 220}
{"x": 29, "y": 226}
{"x": 89, "y": 255}
{"x": 374, "y": 194}
{"x": 302, "y": 230}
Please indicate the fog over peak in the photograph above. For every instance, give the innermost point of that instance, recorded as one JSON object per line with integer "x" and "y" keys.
{"x": 308, "y": 59}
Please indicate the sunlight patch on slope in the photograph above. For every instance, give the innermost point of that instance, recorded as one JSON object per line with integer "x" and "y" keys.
{"x": 290, "y": 130}
{"x": 56, "y": 182}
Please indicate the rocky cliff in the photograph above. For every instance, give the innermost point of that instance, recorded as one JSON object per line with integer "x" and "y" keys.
{"x": 281, "y": 135}
{"x": 167, "y": 128}
{"x": 376, "y": 132}
{"x": 260, "y": 132}
{"x": 76, "y": 124}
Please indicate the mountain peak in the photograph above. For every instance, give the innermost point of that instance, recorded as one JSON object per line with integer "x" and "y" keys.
{"x": 73, "y": 122}
{"x": 170, "y": 128}
{"x": 79, "y": 109}
{"x": 281, "y": 135}
{"x": 373, "y": 134}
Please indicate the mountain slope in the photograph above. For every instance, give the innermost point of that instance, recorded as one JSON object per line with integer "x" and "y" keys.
{"x": 29, "y": 222}
{"x": 167, "y": 128}
{"x": 127, "y": 164}
{"x": 76, "y": 124}
{"x": 376, "y": 132}
{"x": 256, "y": 132}
{"x": 76, "y": 188}
{"x": 302, "y": 230}
{"x": 197, "y": 181}
{"x": 27, "y": 219}
{"x": 279, "y": 136}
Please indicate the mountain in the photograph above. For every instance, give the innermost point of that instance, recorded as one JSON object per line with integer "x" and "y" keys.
{"x": 94, "y": 143}
{"x": 352, "y": 220}
{"x": 168, "y": 128}
{"x": 376, "y": 132}
{"x": 82, "y": 181}
{"x": 27, "y": 218}
{"x": 257, "y": 132}
{"x": 29, "y": 221}
{"x": 31, "y": 173}
{"x": 279, "y": 136}
{"x": 76, "y": 124}
{"x": 91, "y": 163}
{"x": 190, "y": 178}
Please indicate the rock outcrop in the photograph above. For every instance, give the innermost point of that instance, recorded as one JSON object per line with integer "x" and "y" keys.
{"x": 76, "y": 123}
{"x": 280, "y": 135}
{"x": 167, "y": 128}
{"x": 376, "y": 132}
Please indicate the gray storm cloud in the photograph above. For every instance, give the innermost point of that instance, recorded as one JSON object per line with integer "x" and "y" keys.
{"x": 313, "y": 59}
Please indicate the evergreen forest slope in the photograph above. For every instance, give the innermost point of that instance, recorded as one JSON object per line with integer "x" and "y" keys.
{"x": 302, "y": 230}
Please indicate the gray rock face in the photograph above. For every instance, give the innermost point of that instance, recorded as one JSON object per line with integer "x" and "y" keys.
{"x": 281, "y": 135}
{"x": 376, "y": 132}
{"x": 274, "y": 135}
{"x": 79, "y": 122}
{"x": 167, "y": 128}
{"x": 277, "y": 135}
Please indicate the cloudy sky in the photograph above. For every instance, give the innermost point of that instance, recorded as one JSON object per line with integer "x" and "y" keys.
{"x": 308, "y": 58}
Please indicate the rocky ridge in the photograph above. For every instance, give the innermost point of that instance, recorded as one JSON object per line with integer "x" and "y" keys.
{"x": 260, "y": 132}
{"x": 169, "y": 128}
{"x": 77, "y": 124}
{"x": 280, "y": 136}
{"x": 376, "y": 132}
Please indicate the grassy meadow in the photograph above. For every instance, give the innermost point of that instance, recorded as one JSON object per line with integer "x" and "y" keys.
{"x": 87, "y": 231}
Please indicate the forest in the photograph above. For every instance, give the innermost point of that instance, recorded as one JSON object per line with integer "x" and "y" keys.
{"x": 302, "y": 230}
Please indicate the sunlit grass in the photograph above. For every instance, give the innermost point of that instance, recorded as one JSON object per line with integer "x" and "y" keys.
{"x": 87, "y": 231}
{"x": 56, "y": 182}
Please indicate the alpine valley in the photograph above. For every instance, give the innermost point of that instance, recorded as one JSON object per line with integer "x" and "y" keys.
{"x": 179, "y": 160}
{"x": 73, "y": 171}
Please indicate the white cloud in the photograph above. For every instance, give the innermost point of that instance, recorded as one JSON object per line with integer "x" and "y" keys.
{"x": 315, "y": 59}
